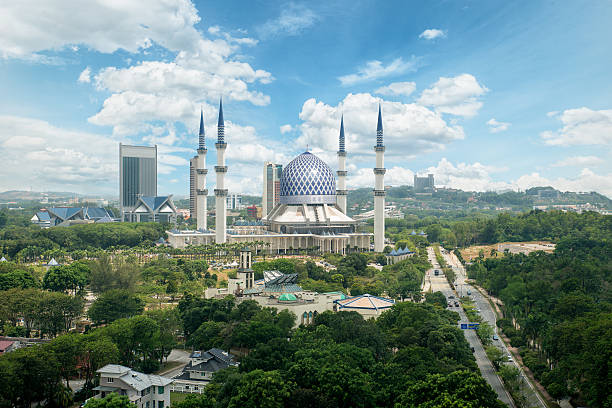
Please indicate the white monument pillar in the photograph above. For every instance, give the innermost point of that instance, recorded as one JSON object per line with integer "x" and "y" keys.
{"x": 379, "y": 188}
{"x": 220, "y": 191}
{"x": 201, "y": 171}
{"x": 341, "y": 191}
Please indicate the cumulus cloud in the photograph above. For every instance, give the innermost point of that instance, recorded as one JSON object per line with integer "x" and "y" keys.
{"x": 286, "y": 129}
{"x": 582, "y": 126}
{"x": 293, "y": 20}
{"x": 478, "y": 177}
{"x": 495, "y": 126}
{"x": 27, "y": 28}
{"x": 376, "y": 69}
{"x": 397, "y": 88}
{"x": 53, "y": 159}
{"x": 590, "y": 161}
{"x": 410, "y": 128}
{"x": 84, "y": 77}
{"x": 457, "y": 96}
{"x": 395, "y": 176}
{"x": 432, "y": 34}
{"x": 205, "y": 64}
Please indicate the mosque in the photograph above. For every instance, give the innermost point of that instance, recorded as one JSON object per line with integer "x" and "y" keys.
{"x": 311, "y": 212}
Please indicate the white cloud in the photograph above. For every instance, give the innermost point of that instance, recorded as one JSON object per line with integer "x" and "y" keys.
{"x": 293, "y": 20}
{"x": 168, "y": 90}
{"x": 585, "y": 181}
{"x": 286, "y": 129}
{"x": 409, "y": 128}
{"x": 39, "y": 155}
{"x": 84, "y": 77}
{"x": 458, "y": 95}
{"x": 397, "y": 88}
{"x": 465, "y": 176}
{"x": 375, "y": 70}
{"x": 590, "y": 161}
{"x": 495, "y": 126}
{"x": 395, "y": 176}
{"x": 477, "y": 177}
{"x": 582, "y": 126}
{"x": 432, "y": 34}
{"x": 27, "y": 27}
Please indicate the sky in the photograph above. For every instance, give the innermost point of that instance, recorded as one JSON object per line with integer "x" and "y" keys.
{"x": 484, "y": 94}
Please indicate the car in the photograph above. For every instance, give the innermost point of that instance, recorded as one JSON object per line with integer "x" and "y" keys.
{"x": 495, "y": 337}
{"x": 469, "y": 292}
{"x": 450, "y": 304}
{"x": 451, "y": 297}
{"x": 456, "y": 304}
{"x": 472, "y": 348}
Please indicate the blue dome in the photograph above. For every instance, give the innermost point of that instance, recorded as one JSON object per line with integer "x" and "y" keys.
{"x": 307, "y": 180}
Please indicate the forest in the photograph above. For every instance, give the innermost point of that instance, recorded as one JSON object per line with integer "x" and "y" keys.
{"x": 558, "y": 307}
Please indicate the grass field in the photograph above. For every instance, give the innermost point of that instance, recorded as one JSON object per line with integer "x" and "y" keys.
{"x": 176, "y": 397}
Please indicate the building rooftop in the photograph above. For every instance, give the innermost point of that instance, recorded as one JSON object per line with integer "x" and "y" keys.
{"x": 365, "y": 301}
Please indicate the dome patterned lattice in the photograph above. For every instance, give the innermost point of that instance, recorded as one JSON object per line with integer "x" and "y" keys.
{"x": 307, "y": 180}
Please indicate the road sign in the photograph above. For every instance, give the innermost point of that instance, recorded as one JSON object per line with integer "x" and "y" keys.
{"x": 469, "y": 326}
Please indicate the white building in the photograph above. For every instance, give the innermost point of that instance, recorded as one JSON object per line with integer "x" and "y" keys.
{"x": 143, "y": 390}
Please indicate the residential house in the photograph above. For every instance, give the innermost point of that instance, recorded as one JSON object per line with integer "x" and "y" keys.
{"x": 200, "y": 369}
{"x": 143, "y": 390}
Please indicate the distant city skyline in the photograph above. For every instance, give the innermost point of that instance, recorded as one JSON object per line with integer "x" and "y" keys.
{"x": 485, "y": 95}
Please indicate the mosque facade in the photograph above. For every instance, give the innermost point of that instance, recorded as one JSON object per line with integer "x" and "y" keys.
{"x": 311, "y": 213}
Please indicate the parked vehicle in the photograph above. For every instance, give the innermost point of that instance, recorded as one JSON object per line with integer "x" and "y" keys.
{"x": 456, "y": 304}
{"x": 469, "y": 292}
{"x": 436, "y": 272}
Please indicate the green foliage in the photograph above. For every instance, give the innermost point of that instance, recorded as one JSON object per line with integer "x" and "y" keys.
{"x": 121, "y": 273}
{"x": 436, "y": 298}
{"x": 16, "y": 276}
{"x": 112, "y": 400}
{"x": 458, "y": 389}
{"x": 496, "y": 356}
{"x": 65, "y": 278}
{"x": 115, "y": 304}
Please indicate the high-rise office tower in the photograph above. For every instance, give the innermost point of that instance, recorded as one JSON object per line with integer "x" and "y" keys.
{"x": 234, "y": 201}
{"x": 271, "y": 186}
{"x": 137, "y": 174}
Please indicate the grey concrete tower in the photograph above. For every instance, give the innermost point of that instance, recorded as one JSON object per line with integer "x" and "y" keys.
{"x": 341, "y": 191}
{"x": 379, "y": 188}
{"x": 201, "y": 171}
{"x": 220, "y": 191}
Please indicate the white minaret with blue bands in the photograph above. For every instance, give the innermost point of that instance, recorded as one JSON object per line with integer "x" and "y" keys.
{"x": 379, "y": 188}
{"x": 220, "y": 191}
{"x": 341, "y": 191}
{"x": 201, "y": 171}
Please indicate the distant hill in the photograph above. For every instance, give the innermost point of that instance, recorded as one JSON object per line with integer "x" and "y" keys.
{"x": 22, "y": 195}
{"x": 442, "y": 199}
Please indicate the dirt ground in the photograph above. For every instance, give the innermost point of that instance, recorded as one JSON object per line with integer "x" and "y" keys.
{"x": 524, "y": 247}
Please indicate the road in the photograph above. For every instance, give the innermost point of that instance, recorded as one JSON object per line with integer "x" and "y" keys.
{"x": 440, "y": 284}
{"x": 488, "y": 314}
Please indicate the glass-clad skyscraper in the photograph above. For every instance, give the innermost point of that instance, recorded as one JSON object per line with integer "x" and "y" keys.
{"x": 137, "y": 174}
{"x": 271, "y": 186}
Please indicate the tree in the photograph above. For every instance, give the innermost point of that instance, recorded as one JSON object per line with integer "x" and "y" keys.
{"x": 112, "y": 400}
{"x": 115, "y": 304}
{"x": 68, "y": 350}
{"x": 496, "y": 356}
{"x": 261, "y": 389}
{"x": 436, "y": 298}
{"x": 66, "y": 277}
{"x": 207, "y": 336}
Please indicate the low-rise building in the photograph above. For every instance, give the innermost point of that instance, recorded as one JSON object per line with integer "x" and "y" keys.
{"x": 366, "y": 305}
{"x": 143, "y": 390}
{"x": 152, "y": 209}
{"x": 200, "y": 369}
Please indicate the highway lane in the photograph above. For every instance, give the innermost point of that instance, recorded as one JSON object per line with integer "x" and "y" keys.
{"x": 488, "y": 314}
{"x": 440, "y": 284}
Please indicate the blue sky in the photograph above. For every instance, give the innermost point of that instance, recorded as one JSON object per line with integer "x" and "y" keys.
{"x": 487, "y": 95}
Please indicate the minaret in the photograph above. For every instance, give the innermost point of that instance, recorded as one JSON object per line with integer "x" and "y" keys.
{"x": 201, "y": 171}
{"x": 220, "y": 191}
{"x": 341, "y": 191}
{"x": 379, "y": 189}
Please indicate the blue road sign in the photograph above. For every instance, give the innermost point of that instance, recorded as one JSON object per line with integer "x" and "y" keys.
{"x": 469, "y": 326}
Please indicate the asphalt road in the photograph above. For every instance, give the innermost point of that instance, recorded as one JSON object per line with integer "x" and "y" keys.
{"x": 439, "y": 284}
{"x": 488, "y": 314}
